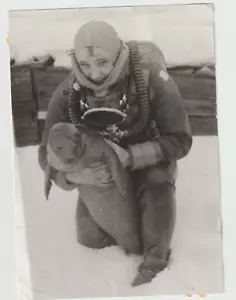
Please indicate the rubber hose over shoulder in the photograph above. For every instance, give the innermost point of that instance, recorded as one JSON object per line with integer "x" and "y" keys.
{"x": 141, "y": 91}
{"x": 73, "y": 102}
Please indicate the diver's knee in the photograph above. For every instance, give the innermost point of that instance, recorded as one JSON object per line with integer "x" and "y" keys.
{"x": 95, "y": 243}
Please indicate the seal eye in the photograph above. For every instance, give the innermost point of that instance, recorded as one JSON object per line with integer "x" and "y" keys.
{"x": 58, "y": 148}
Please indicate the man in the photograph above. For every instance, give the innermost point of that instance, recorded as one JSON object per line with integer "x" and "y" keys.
{"x": 102, "y": 70}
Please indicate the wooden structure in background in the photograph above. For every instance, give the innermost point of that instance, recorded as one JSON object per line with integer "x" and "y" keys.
{"x": 32, "y": 85}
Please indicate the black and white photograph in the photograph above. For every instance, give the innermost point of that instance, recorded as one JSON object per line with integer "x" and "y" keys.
{"x": 114, "y": 114}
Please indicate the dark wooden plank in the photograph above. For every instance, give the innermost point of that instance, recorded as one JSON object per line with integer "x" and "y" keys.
{"x": 25, "y": 123}
{"x": 21, "y": 88}
{"x": 25, "y": 142}
{"x": 200, "y": 71}
{"x": 41, "y": 128}
{"x": 191, "y": 86}
{"x": 24, "y": 114}
{"x": 204, "y": 126}
{"x": 26, "y": 136}
{"x": 201, "y": 107}
{"x": 46, "y": 82}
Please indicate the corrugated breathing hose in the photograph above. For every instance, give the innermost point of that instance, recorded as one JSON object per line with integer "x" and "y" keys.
{"x": 73, "y": 104}
{"x": 141, "y": 91}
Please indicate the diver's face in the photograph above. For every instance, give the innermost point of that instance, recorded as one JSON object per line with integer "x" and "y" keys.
{"x": 95, "y": 63}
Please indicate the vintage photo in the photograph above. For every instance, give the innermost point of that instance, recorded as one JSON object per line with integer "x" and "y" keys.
{"x": 114, "y": 115}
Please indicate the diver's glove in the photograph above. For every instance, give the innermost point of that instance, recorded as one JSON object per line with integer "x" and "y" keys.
{"x": 139, "y": 156}
{"x": 123, "y": 154}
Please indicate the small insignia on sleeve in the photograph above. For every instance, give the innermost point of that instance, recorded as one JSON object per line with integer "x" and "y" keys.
{"x": 76, "y": 86}
{"x": 163, "y": 75}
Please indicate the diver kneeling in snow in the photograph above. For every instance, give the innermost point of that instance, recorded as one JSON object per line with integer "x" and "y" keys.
{"x": 127, "y": 85}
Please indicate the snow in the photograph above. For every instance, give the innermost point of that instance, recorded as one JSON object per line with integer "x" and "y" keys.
{"x": 52, "y": 265}
{"x": 185, "y": 33}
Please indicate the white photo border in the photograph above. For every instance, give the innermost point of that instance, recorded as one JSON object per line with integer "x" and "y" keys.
{"x": 225, "y": 32}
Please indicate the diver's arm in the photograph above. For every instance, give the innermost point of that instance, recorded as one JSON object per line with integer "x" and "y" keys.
{"x": 169, "y": 112}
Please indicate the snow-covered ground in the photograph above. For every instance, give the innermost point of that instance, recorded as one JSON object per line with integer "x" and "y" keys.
{"x": 185, "y": 33}
{"x": 52, "y": 265}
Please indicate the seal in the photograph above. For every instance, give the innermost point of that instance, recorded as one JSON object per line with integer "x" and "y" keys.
{"x": 113, "y": 206}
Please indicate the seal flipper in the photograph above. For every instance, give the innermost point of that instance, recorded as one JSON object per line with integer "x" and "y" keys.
{"x": 47, "y": 180}
{"x": 118, "y": 173}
